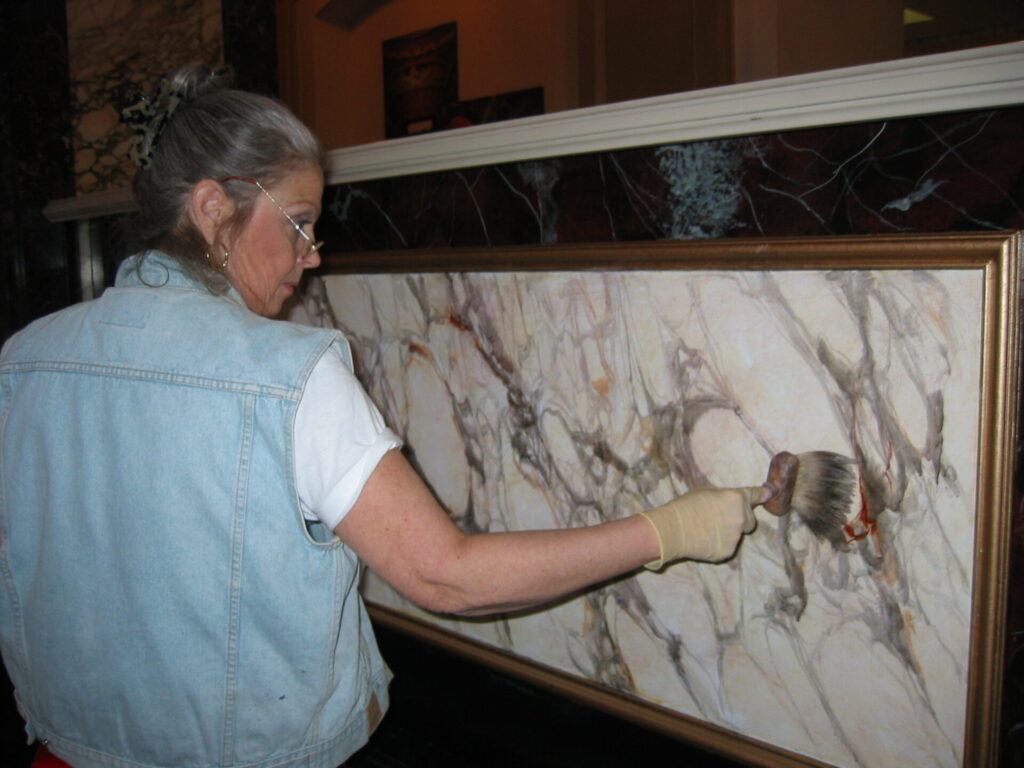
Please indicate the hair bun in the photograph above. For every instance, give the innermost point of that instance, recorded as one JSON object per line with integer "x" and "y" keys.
{"x": 148, "y": 115}
{"x": 195, "y": 80}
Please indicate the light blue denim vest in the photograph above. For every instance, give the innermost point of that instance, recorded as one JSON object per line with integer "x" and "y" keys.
{"x": 163, "y": 602}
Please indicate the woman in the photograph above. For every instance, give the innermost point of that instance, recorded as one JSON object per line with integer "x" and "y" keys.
{"x": 188, "y": 487}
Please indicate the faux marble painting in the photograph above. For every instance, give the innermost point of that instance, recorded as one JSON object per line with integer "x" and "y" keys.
{"x": 117, "y": 47}
{"x": 550, "y": 400}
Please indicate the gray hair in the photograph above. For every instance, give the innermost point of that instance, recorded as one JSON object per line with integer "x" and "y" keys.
{"x": 215, "y": 133}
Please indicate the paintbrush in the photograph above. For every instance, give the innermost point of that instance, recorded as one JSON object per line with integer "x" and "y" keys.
{"x": 820, "y": 487}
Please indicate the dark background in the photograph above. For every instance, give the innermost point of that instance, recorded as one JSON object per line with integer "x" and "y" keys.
{"x": 499, "y": 720}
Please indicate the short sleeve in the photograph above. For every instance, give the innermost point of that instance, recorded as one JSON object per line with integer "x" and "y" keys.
{"x": 340, "y": 437}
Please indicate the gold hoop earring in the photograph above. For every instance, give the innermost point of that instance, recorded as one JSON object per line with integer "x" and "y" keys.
{"x": 224, "y": 263}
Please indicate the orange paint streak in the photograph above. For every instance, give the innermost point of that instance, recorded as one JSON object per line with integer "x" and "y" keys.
{"x": 456, "y": 321}
{"x": 864, "y": 524}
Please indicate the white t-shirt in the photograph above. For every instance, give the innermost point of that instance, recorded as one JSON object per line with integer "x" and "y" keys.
{"x": 340, "y": 437}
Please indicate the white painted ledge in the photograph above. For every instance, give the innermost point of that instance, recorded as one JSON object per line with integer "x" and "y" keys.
{"x": 978, "y": 78}
{"x": 974, "y": 79}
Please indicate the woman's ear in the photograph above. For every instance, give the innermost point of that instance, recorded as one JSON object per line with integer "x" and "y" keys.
{"x": 210, "y": 209}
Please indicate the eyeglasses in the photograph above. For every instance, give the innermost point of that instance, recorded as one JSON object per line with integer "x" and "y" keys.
{"x": 311, "y": 245}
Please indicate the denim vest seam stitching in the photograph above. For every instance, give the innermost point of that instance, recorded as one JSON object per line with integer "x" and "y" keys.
{"x": 320, "y": 750}
{"x": 235, "y": 594}
{"x": 163, "y": 377}
{"x": 45, "y": 736}
{"x": 8, "y": 576}
{"x": 352, "y": 731}
{"x": 336, "y": 617}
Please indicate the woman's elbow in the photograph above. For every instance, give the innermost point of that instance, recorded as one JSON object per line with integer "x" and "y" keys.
{"x": 444, "y": 600}
{"x": 435, "y": 584}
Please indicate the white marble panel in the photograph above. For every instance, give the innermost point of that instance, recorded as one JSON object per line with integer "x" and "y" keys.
{"x": 539, "y": 400}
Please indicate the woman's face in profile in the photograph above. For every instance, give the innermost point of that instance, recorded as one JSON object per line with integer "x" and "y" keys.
{"x": 269, "y": 255}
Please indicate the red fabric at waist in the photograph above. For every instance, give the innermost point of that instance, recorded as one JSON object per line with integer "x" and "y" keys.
{"x": 46, "y": 759}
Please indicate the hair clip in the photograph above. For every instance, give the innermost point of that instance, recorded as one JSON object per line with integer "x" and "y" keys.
{"x": 147, "y": 118}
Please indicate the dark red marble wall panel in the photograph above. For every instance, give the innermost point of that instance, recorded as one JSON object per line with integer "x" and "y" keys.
{"x": 951, "y": 172}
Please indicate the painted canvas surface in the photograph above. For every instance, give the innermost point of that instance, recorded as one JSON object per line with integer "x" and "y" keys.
{"x": 536, "y": 400}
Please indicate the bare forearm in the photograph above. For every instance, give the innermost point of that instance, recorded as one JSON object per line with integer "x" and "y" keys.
{"x": 400, "y": 531}
{"x": 507, "y": 571}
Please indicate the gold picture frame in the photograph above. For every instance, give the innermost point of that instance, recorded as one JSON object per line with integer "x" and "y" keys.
{"x": 960, "y": 292}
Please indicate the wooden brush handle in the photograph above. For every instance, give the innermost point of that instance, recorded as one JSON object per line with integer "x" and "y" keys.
{"x": 782, "y": 474}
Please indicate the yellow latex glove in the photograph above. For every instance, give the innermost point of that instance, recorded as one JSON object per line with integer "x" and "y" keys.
{"x": 704, "y": 524}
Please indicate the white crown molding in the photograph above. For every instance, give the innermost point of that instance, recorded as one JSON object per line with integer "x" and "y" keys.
{"x": 978, "y": 78}
{"x": 974, "y": 79}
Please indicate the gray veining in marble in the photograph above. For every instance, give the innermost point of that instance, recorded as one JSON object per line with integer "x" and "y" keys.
{"x": 540, "y": 400}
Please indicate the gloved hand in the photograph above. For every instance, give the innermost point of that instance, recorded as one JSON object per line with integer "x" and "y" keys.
{"x": 704, "y": 524}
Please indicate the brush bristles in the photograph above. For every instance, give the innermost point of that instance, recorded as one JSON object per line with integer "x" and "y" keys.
{"x": 824, "y": 491}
